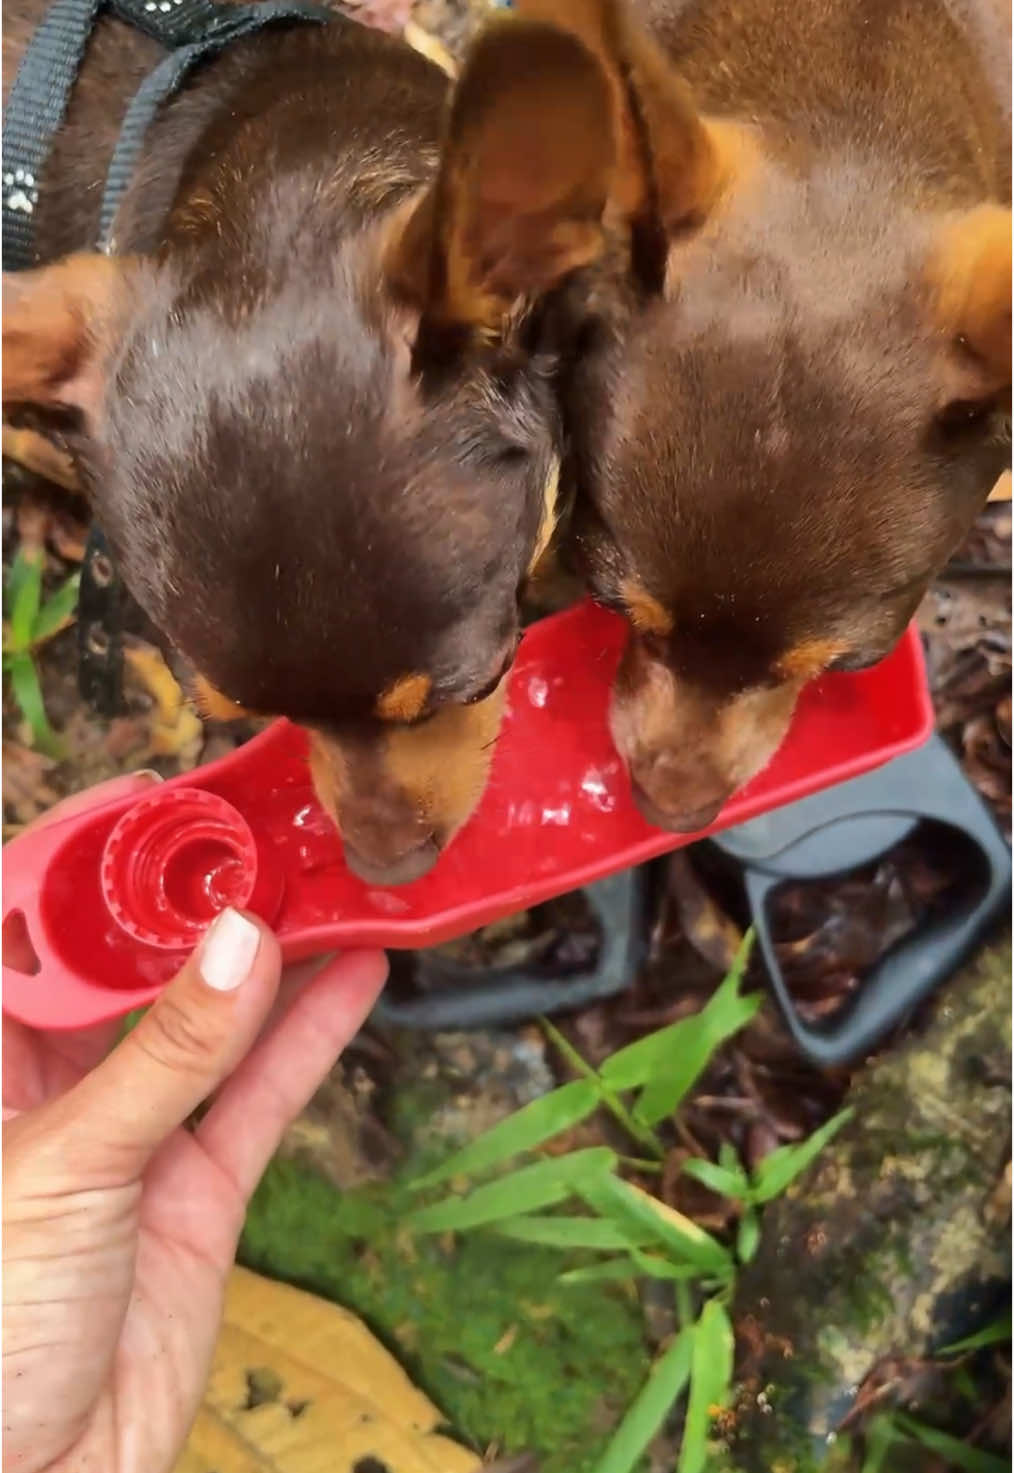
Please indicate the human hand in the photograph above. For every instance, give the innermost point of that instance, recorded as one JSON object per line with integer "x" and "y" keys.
{"x": 120, "y": 1225}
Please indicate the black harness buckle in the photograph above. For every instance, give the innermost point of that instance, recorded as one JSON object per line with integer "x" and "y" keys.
{"x": 100, "y": 629}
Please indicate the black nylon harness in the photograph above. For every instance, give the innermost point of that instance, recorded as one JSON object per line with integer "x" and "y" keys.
{"x": 190, "y": 31}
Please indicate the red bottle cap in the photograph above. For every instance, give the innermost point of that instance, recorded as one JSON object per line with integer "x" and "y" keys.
{"x": 176, "y": 859}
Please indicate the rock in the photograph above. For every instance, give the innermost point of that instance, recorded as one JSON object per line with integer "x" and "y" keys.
{"x": 896, "y": 1241}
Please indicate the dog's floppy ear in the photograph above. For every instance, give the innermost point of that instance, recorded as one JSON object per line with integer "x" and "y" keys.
{"x": 673, "y": 163}
{"x": 970, "y": 284}
{"x": 523, "y": 182}
{"x": 61, "y": 324}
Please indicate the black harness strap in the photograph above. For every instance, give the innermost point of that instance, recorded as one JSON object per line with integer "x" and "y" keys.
{"x": 200, "y": 29}
{"x": 34, "y": 111}
{"x": 190, "y": 31}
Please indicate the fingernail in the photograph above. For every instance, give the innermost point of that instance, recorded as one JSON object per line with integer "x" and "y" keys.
{"x": 228, "y": 951}
{"x": 150, "y": 774}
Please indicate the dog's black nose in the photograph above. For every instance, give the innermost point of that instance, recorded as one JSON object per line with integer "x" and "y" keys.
{"x": 400, "y": 871}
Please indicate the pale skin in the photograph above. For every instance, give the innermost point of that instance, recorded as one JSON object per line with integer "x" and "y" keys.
{"x": 121, "y": 1224}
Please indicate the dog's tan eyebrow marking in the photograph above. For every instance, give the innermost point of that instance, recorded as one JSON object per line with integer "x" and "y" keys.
{"x": 405, "y": 698}
{"x": 646, "y": 613}
{"x": 736, "y": 152}
{"x": 808, "y": 659}
{"x": 970, "y": 275}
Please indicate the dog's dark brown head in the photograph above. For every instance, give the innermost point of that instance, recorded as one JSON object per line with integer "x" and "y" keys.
{"x": 774, "y": 464}
{"x": 784, "y": 415}
{"x": 325, "y": 448}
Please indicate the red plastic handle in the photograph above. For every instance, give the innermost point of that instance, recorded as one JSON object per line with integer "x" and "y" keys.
{"x": 112, "y": 900}
{"x": 40, "y": 899}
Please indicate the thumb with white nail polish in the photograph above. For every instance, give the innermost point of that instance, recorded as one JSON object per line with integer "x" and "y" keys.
{"x": 191, "y": 1039}
{"x": 228, "y": 950}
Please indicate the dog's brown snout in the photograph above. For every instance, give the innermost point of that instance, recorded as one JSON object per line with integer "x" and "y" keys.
{"x": 400, "y": 795}
{"x": 675, "y": 797}
{"x": 411, "y": 865}
{"x": 387, "y": 840}
{"x": 680, "y": 821}
{"x": 387, "y": 837}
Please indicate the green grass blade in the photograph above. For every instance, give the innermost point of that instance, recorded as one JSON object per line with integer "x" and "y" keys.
{"x": 668, "y": 1062}
{"x": 531, "y": 1126}
{"x": 663, "y": 1268}
{"x": 958, "y": 1454}
{"x": 20, "y": 569}
{"x": 623, "y": 1204}
{"x": 998, "y": 1332}
{"x": 24, "y": 593}
{"x": 725, "y": 1181}
{"x": 611, "y": 1269}
{"x": 637, "y": 1266}
{"x": 710, "y": 1383}
{"x": 633, "y": 1066}
{"x": 747, "y": 1236}
{"x": 881, "y": 1435}
{"x": 775, "y": 1172}
{"x": 648, "y": 1411}
{"x": 610, "y": 1099}
{"x": 725, "y": 1013}
{"x": 28, "y": 694}
{"x": 527, "y": 1190}
{"x": 57, "y": 611}
{"x": 573, "y": 1232}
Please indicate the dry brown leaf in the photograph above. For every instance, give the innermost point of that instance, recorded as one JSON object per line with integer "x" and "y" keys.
{"x": 26, "y": 791}
{"x": 431, "y": 47}
{"x": 68, "y": 537}
{"x": 384, "y": 15}
{"x": 706, "y": 926}
{"x": 1001, "y": 491}
{"x": 301, "y": 1386}
{"x": 42, "y": 519}
{"x": 998, "y": 1208}
{"x": 175, "y": 729}
{"x": 41, "y": 456}
{"x": 506, "y": 1340}
{"x": 32, "y": 522}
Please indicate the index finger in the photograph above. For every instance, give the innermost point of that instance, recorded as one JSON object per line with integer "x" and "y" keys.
{"x": 116, "y": 787}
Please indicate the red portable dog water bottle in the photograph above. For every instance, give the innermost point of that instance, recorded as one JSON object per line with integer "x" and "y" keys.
{"x": 111, "y": 900}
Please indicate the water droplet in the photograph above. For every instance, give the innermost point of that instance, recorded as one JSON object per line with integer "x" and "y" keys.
{"x": 388, "y": 904}
{"x": 538, "y": 692}
{"x": 595, "y": 786}
{"x": 557, "y": 817}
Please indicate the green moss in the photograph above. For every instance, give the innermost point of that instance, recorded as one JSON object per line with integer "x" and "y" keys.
{"x": 407, "y": 1109}
{"x": 571, "y": 1357}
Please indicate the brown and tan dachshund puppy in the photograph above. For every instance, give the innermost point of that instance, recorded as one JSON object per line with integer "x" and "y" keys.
{"x": 790, "y": 386}
{"x": 307, "y": 396}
